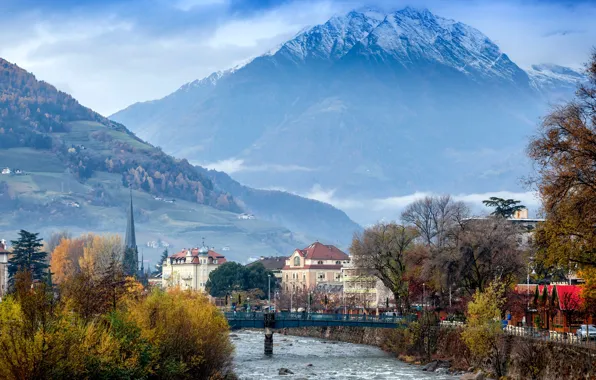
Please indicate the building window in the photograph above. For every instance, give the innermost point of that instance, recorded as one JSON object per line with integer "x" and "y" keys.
{"x": 303, "y": 276}
{"x": 296, "y": 261}
{"x": 287, "y": 277}
{"x": 320, "y": 262}
{"x": 321, "y": 276}
{"x": 338, "y": 263}
{"x": 338, "y": 277}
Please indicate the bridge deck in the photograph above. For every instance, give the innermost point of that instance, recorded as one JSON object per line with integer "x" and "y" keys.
{"x": 238, "y": 320}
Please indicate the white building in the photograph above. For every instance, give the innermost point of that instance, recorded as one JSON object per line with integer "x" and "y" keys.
{"x": 190, "y": 268}
{"x": 3, "y": 268}
{"x": 367, "y": 290}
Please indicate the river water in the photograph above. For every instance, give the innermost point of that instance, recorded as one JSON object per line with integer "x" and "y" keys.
{"x": 330, "y": 360}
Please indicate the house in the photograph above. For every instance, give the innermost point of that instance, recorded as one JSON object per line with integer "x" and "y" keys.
{"x": 4, "y": 253}
{"x": 364, "y": 289}
{"x": 318, "y": 263}
{"x": 274, "y": 263}
{"x": 190, "y": 268}
{"x": 6, "y": 171}
{"x": 558, "y": 307}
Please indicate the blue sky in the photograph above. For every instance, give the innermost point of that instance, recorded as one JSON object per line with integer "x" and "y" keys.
{"x": 111, "y": 53}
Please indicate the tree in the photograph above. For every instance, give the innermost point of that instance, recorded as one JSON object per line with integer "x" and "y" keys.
{"x": 164, "y": 256}
{"x": 381, "y": 250}
{"x": 487, "y": 250}
{"x": 27, "y": 256}
{"x": 564, "y": 153}
{"x": 233, "y": 277}
{"x": 483, "y": 327}
{"x": 100, "y": 253}
{"x": 65, "y": 259}
{"x": 504, "y": 208}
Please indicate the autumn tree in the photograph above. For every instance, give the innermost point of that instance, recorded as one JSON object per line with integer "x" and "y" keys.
{"x": 504, "y": 208}
{"x": 67, "y": 255}
{"x": 483, "y": 327}
{"x": 564, "y": 153}
{"x": 381, "y": 250}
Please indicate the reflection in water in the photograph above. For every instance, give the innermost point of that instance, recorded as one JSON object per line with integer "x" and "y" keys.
{"x": 329, "y": 360}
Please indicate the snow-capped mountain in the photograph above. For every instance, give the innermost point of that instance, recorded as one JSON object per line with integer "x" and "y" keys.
{"x": 366, "y": 104}
{"x": 553, "y": 81}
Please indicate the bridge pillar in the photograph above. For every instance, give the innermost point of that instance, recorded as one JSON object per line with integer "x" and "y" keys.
{"x": 268, "y": 341}
{"x": 269, "y": 324}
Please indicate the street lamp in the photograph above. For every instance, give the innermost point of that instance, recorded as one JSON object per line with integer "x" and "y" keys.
{"x": 423, "y": 296}
{"x": 269, "y": 291}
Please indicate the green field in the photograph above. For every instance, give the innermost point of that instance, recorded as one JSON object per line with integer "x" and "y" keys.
{"x": 38, "y": 201}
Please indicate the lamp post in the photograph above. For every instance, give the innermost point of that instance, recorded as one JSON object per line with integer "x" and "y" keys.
{"x": 423, "y": 296}
{"x": 269, "y": 291}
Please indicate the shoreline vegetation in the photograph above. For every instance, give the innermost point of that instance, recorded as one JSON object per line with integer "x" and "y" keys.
{"x": 443, "y": 349}
{"x": 86, "y": 319}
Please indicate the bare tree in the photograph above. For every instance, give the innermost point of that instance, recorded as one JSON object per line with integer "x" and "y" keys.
{"x": 487, "y": 250}
{"x": 381, "y": 250}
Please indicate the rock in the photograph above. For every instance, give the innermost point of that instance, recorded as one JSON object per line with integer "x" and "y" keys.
{"x": 285, "y": 371}
{"x": 291, "y": 344}
{"x": 473, "y": 376}
{"x": 309, "y": 365}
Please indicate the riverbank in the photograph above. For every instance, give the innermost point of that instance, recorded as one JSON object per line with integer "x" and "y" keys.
{"x": 522, "y": 358}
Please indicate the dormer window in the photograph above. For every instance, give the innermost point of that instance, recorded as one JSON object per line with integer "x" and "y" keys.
{"x": 296, "y": 261}
{"x": 320, "y": 262}
{"x": 338, "y": 262}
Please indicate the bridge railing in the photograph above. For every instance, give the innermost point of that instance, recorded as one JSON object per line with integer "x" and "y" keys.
{"x": 321, "y": 317}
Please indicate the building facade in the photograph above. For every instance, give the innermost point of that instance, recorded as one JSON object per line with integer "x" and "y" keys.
{"x": 364, "y": 289}
{"x": 316, "y": 264}
{"x": 3, "y": 268}
{"x": 190, "y": 268}
{"x": 275, "y": 264}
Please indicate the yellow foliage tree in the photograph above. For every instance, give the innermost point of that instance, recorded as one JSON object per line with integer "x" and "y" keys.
{"x": 100, "y": 253}
{"x": 189, "y": 333}
{"x": 66, "y": 256}
{"x": 483, "y": 326}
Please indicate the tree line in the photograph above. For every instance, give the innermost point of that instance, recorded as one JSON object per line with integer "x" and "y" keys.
{"x": 75, "y": 314}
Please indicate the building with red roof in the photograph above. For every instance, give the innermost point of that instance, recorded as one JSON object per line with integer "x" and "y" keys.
{"x": 557, "y": 307}
{"x": 316, "y": 264}
{"x": 190, "y": 268}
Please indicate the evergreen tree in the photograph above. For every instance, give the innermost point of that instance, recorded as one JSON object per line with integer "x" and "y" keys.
{"x": 164, "y": 256}
{"x": 503, "y": 207}
{"x": 27, "y": 255}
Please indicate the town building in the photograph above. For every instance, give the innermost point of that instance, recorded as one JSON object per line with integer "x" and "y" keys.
{"x": 318, "y": 263}
{"x": 190, "y": 268}
{"x": 551, "y": 307}
{"x": 364, "y": 289}
{"x": 274, "y": 263}
{"x": 4, "y": 256}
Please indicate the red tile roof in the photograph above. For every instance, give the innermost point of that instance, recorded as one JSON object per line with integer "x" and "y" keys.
{"x": 318, "y": 251}
{"x": 195, "y": 254}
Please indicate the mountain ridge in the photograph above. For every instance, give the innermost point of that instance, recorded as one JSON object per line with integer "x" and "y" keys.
{"x": 352, "y": 100}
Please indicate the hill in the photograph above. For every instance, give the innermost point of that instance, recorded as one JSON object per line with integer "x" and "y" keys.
{"x": 369, "y": 105}
{"x": 70, "y": 168}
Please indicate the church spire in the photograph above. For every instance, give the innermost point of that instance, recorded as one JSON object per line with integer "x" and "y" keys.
{"x": 130, "y": 240}
{"x": 131, "y": 254}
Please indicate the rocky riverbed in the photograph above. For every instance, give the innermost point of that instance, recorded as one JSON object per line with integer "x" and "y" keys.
{"x": 310, "y": 358}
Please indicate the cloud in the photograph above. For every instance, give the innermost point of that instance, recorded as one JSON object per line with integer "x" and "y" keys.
{"x": 112, "y": 53}
{"x": 370, "y": 210}
{"x": 233, "y": 165}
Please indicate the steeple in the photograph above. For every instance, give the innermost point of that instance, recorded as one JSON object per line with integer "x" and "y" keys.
{"x": 130, "y": 240}
{"x": 131, "y": 254}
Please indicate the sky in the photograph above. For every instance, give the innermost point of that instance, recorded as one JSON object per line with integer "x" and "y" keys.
{"x": 109, "y": 54}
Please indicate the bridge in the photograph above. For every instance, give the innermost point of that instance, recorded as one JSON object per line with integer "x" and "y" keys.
{"x": 270, "y": 321}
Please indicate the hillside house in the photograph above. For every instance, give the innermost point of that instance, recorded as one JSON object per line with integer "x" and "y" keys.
{"x": 6, "y": 171}
{"x": 318, "y": 263}
{"x": 190, "y": 268}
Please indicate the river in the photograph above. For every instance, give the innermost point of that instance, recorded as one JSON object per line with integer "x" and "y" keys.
{"x": 330, "y": 360}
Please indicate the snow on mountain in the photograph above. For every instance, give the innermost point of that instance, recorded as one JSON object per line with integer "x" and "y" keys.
{"x": 548, "y": 77}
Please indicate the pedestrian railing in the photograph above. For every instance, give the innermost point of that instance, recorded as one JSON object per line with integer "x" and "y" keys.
{"x": 284, "y": 316}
